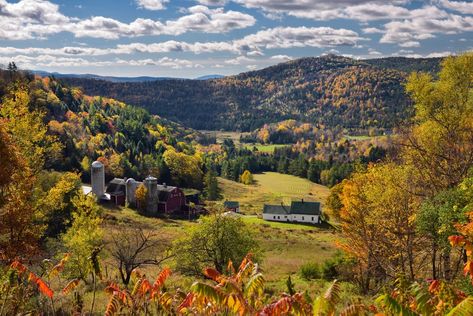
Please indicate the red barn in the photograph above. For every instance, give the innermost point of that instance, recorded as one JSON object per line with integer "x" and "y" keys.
{"x": 170, "y": 199}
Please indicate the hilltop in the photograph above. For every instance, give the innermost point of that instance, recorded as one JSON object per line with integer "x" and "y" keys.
{"x": 329, "y": 90}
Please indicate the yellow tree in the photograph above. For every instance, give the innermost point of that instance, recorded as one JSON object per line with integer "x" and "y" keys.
{"x": 440, "y": 145}
{"x": 377, "y": 220}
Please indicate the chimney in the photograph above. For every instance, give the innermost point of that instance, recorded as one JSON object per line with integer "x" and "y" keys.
{"x": 165, "y": 185}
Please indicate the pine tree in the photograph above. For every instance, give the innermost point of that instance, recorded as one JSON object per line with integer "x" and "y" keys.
{"x": 211, "y": 190}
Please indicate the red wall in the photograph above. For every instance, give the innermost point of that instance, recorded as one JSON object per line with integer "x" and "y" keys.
{"x": 175, "y": 201}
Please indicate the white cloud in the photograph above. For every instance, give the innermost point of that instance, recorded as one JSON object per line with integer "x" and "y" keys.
{"x": 29, "y": 19}
{"x": 409, "y": 32}
{"x": 152, "y": 4}
{"x": 239, "y": 60}
{"x": 362, "y": 10}
{"x": 410, "y": 44}
{"x": 281, "y": 57}
{"x": 251, "y": 45}
{"x": 459, "y": 6}
{"x": 212, "y": 2}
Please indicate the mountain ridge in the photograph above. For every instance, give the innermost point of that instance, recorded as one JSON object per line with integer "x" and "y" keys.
{"x": 329, "y": 90}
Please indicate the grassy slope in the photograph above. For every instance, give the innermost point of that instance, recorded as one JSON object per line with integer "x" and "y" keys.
{"x": 285, "y": 246}
{"x": 272, "y": 187}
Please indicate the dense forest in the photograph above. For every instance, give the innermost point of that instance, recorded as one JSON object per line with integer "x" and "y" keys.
{"x": 329, "y": 90}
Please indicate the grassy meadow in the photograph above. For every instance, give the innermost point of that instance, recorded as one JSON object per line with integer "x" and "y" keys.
{"x": 274, "y": 188}
{"x": 284, "y": 246}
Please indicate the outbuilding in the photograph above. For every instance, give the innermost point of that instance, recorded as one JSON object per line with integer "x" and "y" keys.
{"x": 298, "y": 212}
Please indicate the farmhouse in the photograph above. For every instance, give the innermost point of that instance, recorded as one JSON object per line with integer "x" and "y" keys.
{"x": 299, "y": 212}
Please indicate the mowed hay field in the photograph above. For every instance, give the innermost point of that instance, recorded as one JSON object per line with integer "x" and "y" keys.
{"x": 272, "y": 188}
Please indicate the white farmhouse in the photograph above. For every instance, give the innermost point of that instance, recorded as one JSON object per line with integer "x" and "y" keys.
{"x": 298, "y": 212}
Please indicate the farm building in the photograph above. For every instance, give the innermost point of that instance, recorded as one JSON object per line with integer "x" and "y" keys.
{"x": 160, "y": 198}
{"x": 116, "y": 189}
{"x": 232, "y": 206}
{"x": 170, "y": 199}
{"x": 298, "y": 212}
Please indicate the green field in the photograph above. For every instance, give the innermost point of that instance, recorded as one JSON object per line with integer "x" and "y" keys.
{"x": 272, "y": 187}
{"x": 265, "y": 148}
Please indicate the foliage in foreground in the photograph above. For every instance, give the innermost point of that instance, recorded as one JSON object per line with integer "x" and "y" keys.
{"x": 239, "y": 292}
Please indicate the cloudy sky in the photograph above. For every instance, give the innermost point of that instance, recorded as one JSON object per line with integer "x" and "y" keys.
{"x": 190, "y": 38}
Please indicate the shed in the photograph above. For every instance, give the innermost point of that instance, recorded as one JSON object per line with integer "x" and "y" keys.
{"x": 232, "y": 206}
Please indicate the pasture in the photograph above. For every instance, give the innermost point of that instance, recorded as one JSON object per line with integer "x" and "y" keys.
{"x": 274, "y": 188}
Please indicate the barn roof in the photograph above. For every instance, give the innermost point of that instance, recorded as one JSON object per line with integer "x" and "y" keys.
{"x": 305, "y": 208}
{"x": 116, "y": 187}
{"x": 231, "y": 204}
{"x": 275, "y": 209}
{"x": 165, "y": 188}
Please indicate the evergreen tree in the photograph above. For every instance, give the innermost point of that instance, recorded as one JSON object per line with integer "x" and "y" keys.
{"x": 211, "y": 190}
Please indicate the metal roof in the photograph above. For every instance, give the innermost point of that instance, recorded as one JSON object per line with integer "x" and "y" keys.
{"x": 276, "y": 209}
{"x": 305, "y": 208}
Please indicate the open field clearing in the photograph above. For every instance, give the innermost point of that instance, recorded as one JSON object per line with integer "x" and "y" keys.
{"x": 265, "y": 148}
{"x": 272, "y": 187}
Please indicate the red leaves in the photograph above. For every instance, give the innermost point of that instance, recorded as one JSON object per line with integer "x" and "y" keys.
{"x": 70, "y": 286}
{"x": 18, "y": 266}
{"x": 434, "y": 286}
{"x": 42, "y": 286}
{"x": 161, "y": 278}
{"x": 213, "y": 274}
{"x": 187, "y": 302}
{"x": 456, "y": 240}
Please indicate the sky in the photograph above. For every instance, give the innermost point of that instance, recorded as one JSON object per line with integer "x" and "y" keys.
{"x": 191, "y": 38}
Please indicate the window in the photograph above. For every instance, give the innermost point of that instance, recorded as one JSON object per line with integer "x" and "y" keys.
{"x": 274, "y": 217}
{"x": 278, "y": 217}
{"x": 312, "y": 218}
{"x": 285, "y": 216}
{"x": 302, "y": 217}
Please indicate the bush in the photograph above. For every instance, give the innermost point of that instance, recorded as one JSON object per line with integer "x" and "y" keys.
{"x": 328, "y": 270}
{"x": 310, "y": 271}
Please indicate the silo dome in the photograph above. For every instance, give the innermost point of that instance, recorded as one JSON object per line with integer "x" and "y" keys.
{"x": 97, "y": 164}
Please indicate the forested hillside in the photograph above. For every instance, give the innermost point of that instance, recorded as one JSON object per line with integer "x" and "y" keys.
{"x": 330, "y": 90}
{"x": 128, "y": 140}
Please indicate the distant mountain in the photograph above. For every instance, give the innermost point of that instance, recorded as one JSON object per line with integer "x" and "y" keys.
{"x": 114, "y": 79}
{"x": 207, "y": 77}
{"x": 98, "y": 77}
{"x": 329, "y": 90}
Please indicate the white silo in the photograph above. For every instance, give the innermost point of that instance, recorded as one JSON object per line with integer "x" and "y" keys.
{"x": 151, "y": 184}
{"x": 131, "y": 186}
{"x": 97, "y": 174}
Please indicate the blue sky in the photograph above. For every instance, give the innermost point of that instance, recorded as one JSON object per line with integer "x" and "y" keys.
{"x": 190, "y": 38}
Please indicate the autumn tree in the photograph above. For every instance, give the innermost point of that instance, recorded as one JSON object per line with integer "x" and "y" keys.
{"x": 377, "y": 223}
{"x": 440, "y": 145}
{"x": 213, "y": 243}
{"x": 83, "y": 237}
{"x": 246, "y": 177}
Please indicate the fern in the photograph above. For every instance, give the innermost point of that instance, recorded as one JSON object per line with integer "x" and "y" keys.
{"x": 390, "y": 304}
{"x": 325, "y": 305}
{"x": 70, "y": 286}
{"x": 465, "y": 308}
{"x": 255, "y": 285}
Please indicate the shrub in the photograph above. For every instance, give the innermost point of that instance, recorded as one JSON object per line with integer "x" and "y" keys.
{"x": 310, "y": 271}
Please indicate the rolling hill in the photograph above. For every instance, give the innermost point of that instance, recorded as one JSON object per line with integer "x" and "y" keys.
{"x": 329, "y": 90}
